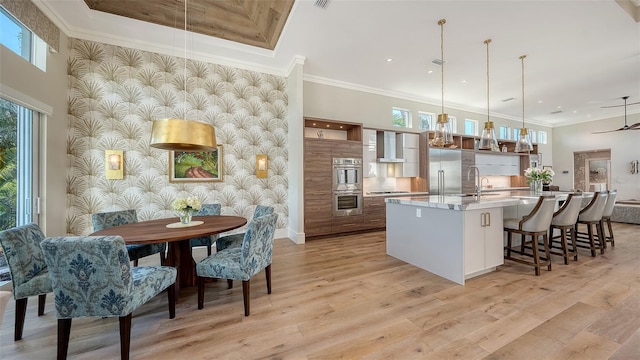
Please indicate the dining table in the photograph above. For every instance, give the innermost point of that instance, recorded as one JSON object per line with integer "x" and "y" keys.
{"x": 177, "y": 236}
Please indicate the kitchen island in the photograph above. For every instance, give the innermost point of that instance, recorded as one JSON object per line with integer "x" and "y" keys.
{"x": 456, "y": 237}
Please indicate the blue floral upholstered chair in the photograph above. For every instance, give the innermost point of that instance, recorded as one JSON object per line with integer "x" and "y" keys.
{"x": 107, "y": 220}
{"x": 242, "y": 263}
{"x": 235, "y": 240}
{"x": 28, "y": 269}
{"x": 92, "y": 276}
{"x": 205, "y": 210}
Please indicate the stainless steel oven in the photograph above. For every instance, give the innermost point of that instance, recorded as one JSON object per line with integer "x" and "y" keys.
{"x": 346, "y": 203}
{"x": 347, "y": 174}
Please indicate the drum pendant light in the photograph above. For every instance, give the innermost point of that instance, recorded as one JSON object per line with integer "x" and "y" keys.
{"x": 183, "y": 134}
{"x": 443, "y": 136}
{"x": 524, "y": 142}
{"x": 488, "y": 140}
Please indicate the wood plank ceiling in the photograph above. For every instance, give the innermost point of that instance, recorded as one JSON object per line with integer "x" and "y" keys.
{"x": 252, "y": 22}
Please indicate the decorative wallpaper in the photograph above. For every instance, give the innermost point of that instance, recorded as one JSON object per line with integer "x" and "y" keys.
{"x": 116, "y": 93}
{"x": 580, "y": 170}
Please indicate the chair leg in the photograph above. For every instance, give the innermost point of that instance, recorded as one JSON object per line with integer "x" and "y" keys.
{"x": 536, "y": 257}
{"x": 200, "y": 281}
{"x": 267, "y": 273}
{"x": 162, "y": 258}
{"x": 509, "y": 244}
{"x": 229, "y": 284}
{"x": 171, "y": 294}
{"x": 574, "y": 238}
{"x": 21, "y": 312}
{"x": 565, "y": 249}
{"x": 547, "y": 251}
{"x": 125, "y": 336}
{"x": 209, "y": 250}
{"x": 245, "y": 296}
{"x": 64, "y": 329}
{"x": 42, "y": 299}
{"x": 591, "y": 240}
{"x": 601, "y": 239}
{"x": 135, "y": 263}
{"x": 613, "y": 241}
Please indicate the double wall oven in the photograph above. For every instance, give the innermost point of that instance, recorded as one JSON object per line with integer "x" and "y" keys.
{"x": 347, "y": 186}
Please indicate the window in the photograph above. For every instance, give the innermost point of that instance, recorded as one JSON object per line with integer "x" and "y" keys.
{"x": 17, "y": 38}
{"x": 454, "y": 124}
{"x": 542, "y": 137}
{"x": 532, "y": 136}
{"x": 426, "y": 121}
{"x": 516, "y": 133}
{"x": 401, "y": 117}
{"x": 504, "y": 132}
{"x": 470, "y": 127}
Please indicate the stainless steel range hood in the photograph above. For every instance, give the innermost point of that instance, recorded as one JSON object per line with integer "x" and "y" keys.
{"x": 386, "y": 147}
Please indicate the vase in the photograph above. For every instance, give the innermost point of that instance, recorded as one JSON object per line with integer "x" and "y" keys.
{"x": 185, "y": 217}
{"x": 536, "y": 186}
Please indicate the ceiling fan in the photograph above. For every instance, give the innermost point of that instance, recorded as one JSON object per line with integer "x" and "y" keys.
{"x": 635, "y": 126}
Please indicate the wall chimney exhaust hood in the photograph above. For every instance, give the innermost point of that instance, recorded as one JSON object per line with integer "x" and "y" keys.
{"x": 386, "y": 149}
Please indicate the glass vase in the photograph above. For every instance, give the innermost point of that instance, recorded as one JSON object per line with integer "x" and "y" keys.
{"x": 536, "y": 186}
{"x": 185, "y": 217}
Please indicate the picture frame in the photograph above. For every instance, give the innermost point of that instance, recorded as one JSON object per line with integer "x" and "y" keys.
{"x": 198, "y": 166}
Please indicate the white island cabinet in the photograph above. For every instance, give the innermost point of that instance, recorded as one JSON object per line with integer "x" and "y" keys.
{"x": 453, "y": 237}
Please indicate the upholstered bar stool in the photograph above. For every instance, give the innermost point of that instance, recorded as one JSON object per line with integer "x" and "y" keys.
{"x": 565, "y": 220}
{"x": 591, "y": 216}
{"x": 533, "y": 225}
{"x": 606, "y": 217}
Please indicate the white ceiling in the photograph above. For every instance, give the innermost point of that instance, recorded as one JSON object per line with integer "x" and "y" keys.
{"x": 581, "y": 54}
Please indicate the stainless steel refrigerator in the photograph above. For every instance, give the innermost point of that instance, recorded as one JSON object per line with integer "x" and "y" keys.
{"x": 445, "y": 171}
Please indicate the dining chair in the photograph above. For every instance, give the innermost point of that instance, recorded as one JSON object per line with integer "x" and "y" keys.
{"x": 565, "y": 220}
{"x": 241, "y": 263}
{"x": 29, "y": 274}
{"x": 92, "y": 276}
{"x": 591, "y": 216}
{"x": 206, "y": 210}
{"x": 534, "y": 225}
{"x": 235, "y": 240}
{"x": 106, "y": 220}
{"x": 606, "y": 218}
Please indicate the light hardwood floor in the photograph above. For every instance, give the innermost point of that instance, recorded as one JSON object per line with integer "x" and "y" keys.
{"x": 343, "y": 297}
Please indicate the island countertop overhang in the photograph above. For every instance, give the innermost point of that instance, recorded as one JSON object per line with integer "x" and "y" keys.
{"x": 462, "y": 203}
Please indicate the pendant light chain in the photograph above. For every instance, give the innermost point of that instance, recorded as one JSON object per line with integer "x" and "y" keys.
{"x": 522, "y": 58}
{"x": 488, "y": 41}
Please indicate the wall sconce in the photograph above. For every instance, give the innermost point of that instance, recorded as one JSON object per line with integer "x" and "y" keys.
{"x": 262, "y": 166}
{"x": 113, "y": 164}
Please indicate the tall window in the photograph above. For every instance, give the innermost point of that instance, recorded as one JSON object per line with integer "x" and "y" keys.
{"x": 516, "y": 133}
{"x": 18, "y": 165}
{"x": 401, "y": 117}
{"x": 454, "y": 124}
{"x": 426, "y": 121}
{"x": 504, "y": 132}
{"x": 470, "y": 127}
{"x": 532, "y": 136}
{"x": 542, "y": 137}
{"x": 19, "y": 39}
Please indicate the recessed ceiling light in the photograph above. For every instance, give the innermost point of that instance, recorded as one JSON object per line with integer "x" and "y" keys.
{"x": 389, "y": 59}
{"x": 559, "y": 107}
{"x": 464, "y": 81}
{"x": 575, "y": 111}
{"x": 539, "y": 101}
{"x": 430, "y": 71}
{"x": 314, "y": 124}
{"x": 328, "y": 125}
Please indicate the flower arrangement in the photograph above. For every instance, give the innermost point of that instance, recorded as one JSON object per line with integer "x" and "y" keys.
{"x": 188, "y": 204}
{"x": 535, "y": 174}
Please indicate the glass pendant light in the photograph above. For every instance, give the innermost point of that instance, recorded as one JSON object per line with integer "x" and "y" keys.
{"x": 488, "y": 140}
{"x": 524, "y": 142}
{"x": 183, "y": 134}
{"x": 443, "y": 136}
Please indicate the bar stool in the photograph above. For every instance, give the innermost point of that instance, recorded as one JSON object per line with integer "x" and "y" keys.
{"x": 565, "y": 220}
{"x": 591, "y": 216}
{"x": 606, "y": 217}
{"x": 535, "y": 225}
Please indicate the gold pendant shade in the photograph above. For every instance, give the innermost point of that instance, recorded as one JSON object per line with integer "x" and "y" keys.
{"x": 183, "y": 135}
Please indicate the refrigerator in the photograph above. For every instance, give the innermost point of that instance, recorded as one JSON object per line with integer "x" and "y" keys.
{"x": 445, "y": 171}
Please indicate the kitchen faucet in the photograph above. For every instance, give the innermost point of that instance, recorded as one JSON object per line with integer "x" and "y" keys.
{"x": 478, "y": 181}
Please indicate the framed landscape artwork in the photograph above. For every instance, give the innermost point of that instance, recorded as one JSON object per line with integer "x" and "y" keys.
{"x": 200, "y": 166}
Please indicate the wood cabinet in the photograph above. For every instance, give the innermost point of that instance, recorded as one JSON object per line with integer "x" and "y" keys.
{"x": 483, "y": 244}
{"x": 375, "y": 215}
{"x": 345, "y": 141}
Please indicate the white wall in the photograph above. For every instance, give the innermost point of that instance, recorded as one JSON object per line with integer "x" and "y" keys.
{"x": 624, "y": 145}
{"x": 47, "y": 88}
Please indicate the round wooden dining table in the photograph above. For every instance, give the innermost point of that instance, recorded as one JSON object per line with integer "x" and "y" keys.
{"x": 177, "y": 236}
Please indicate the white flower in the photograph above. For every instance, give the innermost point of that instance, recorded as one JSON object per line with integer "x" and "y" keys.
{"x": 533, "y": 174}
{"x": 190, "y": 204}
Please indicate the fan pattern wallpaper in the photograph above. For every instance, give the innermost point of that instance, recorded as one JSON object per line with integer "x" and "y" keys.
{"x": 114, "y": 96}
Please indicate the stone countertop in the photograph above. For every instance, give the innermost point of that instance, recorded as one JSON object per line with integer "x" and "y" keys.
{"x": 461, "y": 203}
{"x": 407, "y": 194}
